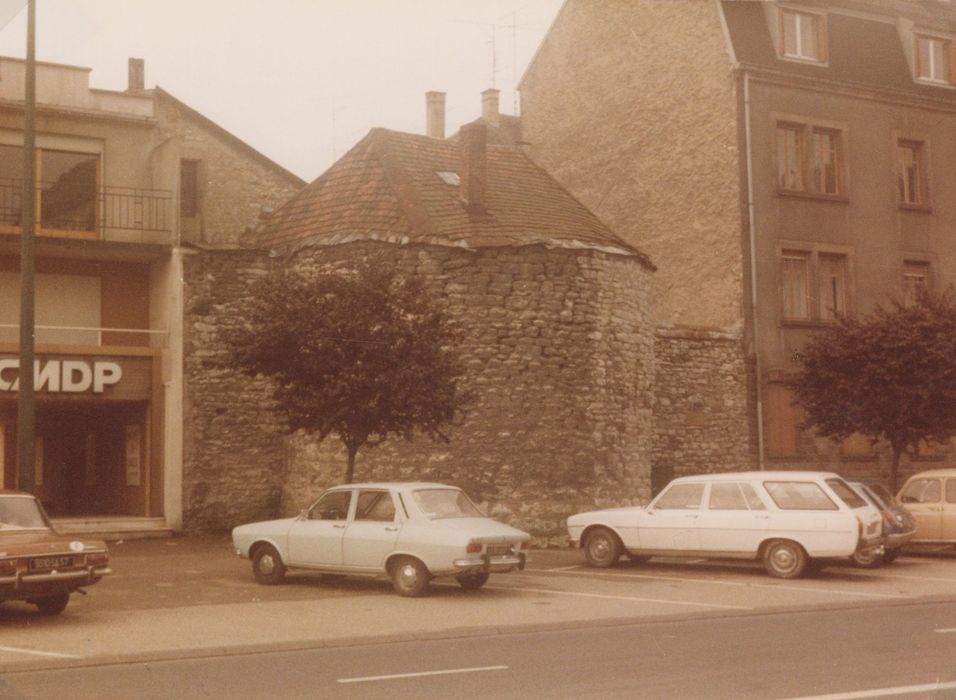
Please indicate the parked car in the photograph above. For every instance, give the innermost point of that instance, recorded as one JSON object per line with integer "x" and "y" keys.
{"x": 898, "y": 524}
{"x": 409, "y": 532}
{"x": 786, "y": 519}
{"x": 38, "y": 565}
{"x": 931, "y": 497}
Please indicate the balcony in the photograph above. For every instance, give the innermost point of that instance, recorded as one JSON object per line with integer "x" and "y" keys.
{"x": 77, "y": 209}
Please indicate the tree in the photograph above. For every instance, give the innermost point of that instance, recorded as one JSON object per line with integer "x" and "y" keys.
{"x": 889, "y": 375}
{"x": 362, "y": 354}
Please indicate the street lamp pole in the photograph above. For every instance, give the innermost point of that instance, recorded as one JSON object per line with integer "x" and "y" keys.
{"x": 26, "y": 406}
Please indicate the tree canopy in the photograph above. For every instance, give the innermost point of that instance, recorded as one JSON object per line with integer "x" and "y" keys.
{"x": 890, "y": 374}
{"x": 363, "y": 354}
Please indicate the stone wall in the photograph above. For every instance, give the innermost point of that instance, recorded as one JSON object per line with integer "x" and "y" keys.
{"x": 233, "y": 446}
{"x": 631, "y": 105}
{"x": 701, "y": 410}
{"x": 557, "y": 346}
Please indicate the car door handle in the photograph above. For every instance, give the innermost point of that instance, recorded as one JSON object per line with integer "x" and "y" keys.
{"x": 391, "y": 529}
{"x": 338, "y": 527}
{"x": 762, "y": 517}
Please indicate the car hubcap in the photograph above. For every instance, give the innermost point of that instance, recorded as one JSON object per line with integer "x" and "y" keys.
{"x": 267, "y": 564}
{"x": 599, "y": 548}
{"x": 408, "y": 575}
{"x": 783, "y": 559}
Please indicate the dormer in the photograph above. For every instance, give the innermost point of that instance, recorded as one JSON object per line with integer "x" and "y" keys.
{"x": 934, "y": 58}
{"x": 799, "y": 33}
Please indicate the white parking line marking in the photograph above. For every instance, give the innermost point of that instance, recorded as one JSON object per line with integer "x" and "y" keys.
{"x": 882, "y": 692}
{"x": 564, "y": 568}
{"x": 882, "y": 574}
{"x": 17, "y": 650}
{"x": 777, "y": 587}
{"x": 945, "y": 631}
{"x": 446, "y": 672}
{"x": 522, "y": 589}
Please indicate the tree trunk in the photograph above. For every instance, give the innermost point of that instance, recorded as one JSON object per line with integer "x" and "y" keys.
{"x": 895, "y": 468}
{"x": 350, "y": 470}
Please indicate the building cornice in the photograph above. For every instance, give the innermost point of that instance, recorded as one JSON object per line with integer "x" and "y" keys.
{"x": 71, "y": 113}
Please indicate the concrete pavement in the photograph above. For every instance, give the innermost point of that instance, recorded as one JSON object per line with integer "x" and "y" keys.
{"x": 191, "y": 596}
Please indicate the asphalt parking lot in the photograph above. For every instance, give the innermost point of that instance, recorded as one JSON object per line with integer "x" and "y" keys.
{"x": 192, "y": 595}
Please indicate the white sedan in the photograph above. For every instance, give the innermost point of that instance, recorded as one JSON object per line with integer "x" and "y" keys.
{"x": 410, "y": 532}
{"x": 788, "y": 519}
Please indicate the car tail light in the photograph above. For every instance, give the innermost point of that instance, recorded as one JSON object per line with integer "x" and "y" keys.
{"x": 473, "y": 548}
{"x": 526, "y": 545}
{"x": 8, "y": 568}
{"x": 890, "y": 519}
{"x": 101, "y": 559}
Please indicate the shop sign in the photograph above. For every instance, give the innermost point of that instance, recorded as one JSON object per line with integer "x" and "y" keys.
{"x": 67, "y": 376}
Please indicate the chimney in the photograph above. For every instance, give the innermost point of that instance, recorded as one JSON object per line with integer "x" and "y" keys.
{"x": 435, "y": 114}
{"x": 489, "y": 106}
{"x": 473, "y": 173}
{"x": 137, "y": 75}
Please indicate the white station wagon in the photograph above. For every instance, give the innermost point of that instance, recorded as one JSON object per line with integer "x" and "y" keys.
{"x": 410, "y": 532}
{"x": 787, "y": 519}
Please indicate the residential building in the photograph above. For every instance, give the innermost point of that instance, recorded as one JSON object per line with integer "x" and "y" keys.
{"x": 130, "y": 186}
{"x": 783, "y": 163}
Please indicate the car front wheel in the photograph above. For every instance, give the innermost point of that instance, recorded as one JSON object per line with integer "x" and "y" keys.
{"x": 869, "y": 558}
{"x": 472, "y": 582}
{"x": 52, "y": 605}
{"x": 409, "y": 577}
{"x": 784, "y": 559}
{"x": 602, "y": 548}
{"x": 267, "y": 565}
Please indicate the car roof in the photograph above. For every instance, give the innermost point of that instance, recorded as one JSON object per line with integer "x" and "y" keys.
{"x": 393, "y": 485}
{"x": 11, "y": 492}
{"x": 945, "y": 471}
{"x": 767, "y": 475}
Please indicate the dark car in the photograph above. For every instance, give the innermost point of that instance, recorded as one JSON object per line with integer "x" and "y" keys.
{"x": 899, "y": 527}
{"x": 38, "y": 565}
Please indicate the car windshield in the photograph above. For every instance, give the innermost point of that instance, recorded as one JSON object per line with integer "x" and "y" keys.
{"x": 21, "y": 513}
{"x": 883, "y": 493}
{"x": 846, "y": 494}
{"x": 438, "y": 504}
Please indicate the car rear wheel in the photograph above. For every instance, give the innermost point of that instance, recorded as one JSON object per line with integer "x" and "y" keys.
{"x": 472, "y": 582}
{"x": 784, "y": 559}
{"x": 267, "y": 565}
{"x": 409, "y": 577}
{"x": 53, "y": 604}
{"x": 890, "y": 555}
{"x": 602, "y": 548}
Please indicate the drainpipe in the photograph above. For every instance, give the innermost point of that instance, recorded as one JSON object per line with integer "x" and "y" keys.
{"x": 751, "y": 220}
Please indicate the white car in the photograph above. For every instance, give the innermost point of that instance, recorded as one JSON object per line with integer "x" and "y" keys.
{"x": 410, "y": 532}
{"x": 787, "y": 519}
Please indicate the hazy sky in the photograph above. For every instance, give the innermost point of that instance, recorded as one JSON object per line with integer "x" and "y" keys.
{"x": 299, "y": 80}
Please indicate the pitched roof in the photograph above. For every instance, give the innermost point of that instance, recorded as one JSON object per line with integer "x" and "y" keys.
{"x": 394, "y": 187}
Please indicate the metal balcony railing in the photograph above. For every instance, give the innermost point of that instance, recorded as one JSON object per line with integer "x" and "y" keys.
{"x": 83, "y": 209}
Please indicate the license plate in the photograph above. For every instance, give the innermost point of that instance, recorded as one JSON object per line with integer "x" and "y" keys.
{"x": 499, "y": 550}
{"x": 49, "y": 563}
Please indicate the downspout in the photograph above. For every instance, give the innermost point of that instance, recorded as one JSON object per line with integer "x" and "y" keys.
{"x": 751, "y": 221}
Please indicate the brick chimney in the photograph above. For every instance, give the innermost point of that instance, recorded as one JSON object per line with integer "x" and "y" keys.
{"x": 137, "y": 75}
{"x": 473, "y": 173}
{"x": 435, "y": 114}
{"x": 489, "y": 106}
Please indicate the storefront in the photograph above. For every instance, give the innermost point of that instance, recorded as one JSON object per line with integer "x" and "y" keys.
{"x": 98, "y": 433}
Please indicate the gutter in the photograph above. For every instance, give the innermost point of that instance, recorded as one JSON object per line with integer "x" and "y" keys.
{"x": 751, "y": 222}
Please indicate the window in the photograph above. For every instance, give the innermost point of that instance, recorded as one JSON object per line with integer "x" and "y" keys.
{"x": 846, "y": 494}
{"x": 951, "y": 490}
{"x": 189, "y": 187}
{"x": 67, "y": 185}
{"x": 910, "y": 166}
{"x": 734, "y": 496}
{"x": 809, "y": 159}
{"x": 824, "y": 273}
{"x": 915, "y": 278}
{"x": 376, "y": 506}
{"x": 802, "y": 35}
{"x": 934, "y": 59}
{"x": 799, "y": 495}
{"x": 922, "y": 491}
{"x": 832, "y": 286}
{"x": 794, "y": 275}
{"x": 438, "y": 504}
{"x": 332, "y": 506}
{"x": 680, "y": 496}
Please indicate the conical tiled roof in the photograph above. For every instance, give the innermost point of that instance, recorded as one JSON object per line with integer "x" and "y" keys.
{"x": 400, "y": 187}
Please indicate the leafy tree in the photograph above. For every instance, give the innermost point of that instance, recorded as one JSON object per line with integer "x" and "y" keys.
{"x": 890, "y": 375}
{"x": 362, "y": 354}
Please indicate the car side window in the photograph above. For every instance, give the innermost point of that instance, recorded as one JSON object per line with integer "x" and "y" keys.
{"x": 376, "y": 506}
{"x": 753, "y": 500}
{"x": 951, "y": 490}
{"x": 799, "y": 495}
{"x": 332, "y": 506}
{"x": 726, "y": 496}
{"x": 680, "y": 496}
{"x": 922, "y": 491}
